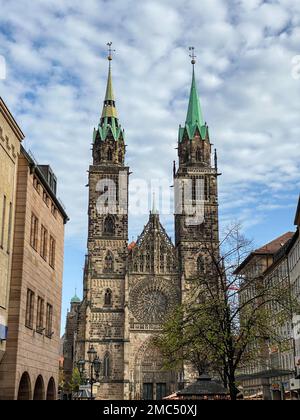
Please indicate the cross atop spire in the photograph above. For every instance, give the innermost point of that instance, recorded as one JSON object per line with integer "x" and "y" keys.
{"x": 192, "y": 55}
{"x": 110, "y": 51}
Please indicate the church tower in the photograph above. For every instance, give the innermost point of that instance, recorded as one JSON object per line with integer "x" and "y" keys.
{"x": 101, "y": 319}
{"x": 196, "y": 197}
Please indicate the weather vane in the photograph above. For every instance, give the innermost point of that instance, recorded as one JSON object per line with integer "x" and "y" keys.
{"x": 110, "y": 51}
{"x": 192, "y": 55}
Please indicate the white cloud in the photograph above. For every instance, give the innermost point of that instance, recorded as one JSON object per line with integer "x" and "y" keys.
{"x": 56, "y": 80}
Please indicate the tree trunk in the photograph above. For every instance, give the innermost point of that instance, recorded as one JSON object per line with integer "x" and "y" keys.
{"x": 232, "y": 385}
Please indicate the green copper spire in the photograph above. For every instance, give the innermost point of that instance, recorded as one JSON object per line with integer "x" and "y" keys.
{"x": 109, "y": 107}
{"x": 194, "y": 119}
{"x": 194, "y": 114}
{"x": 75, "y": 299}
{"x": 109, "y": 123}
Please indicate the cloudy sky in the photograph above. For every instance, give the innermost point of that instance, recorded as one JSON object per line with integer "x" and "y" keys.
{"x": 248, "y": 80}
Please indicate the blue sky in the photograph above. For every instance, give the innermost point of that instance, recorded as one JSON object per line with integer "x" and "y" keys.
{"x": 56, "y": 75}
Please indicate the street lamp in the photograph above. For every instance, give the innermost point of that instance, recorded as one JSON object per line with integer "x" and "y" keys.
{"x": 92, "y": 354}
{"x": 81, "y": 366}
{"x": 95, "y": 366}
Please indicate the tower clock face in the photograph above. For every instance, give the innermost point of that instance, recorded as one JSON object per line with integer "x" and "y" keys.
{"x": 149, "y": 303}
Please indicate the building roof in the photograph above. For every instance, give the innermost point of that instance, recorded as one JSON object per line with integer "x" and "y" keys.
{"x": 203, "y": 386}
{"x": 11, "y": 121}
{"x": 75, "y": 299}
{"x": 270, "y": 248}
{"x": 271, "y": 373}
{"x": 131, "y": 245}
{"x": 297, "y": 217}
{"x": 274, "y": 246}
{"x": 37, "y": 170}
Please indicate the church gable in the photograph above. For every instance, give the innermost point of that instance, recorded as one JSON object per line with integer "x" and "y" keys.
{"x": 154, "y": 251}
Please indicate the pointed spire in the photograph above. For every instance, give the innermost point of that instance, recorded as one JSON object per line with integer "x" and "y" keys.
{"x": 109, "y": 125}
{"x": 154, "y": 209}
{"x": 109, "y": 107}
{"x": 109, "y": 95}
{"x": 194, "y": 114}
{"x": 194, "y": 118}
{"x": 75, "y": 298}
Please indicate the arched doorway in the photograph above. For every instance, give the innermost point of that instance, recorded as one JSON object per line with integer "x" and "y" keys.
{"x": 24, "y": 392}
{"x": 51, "y": 390}
{"x": 39, "y": 389}
{"x": 151, "y": 380}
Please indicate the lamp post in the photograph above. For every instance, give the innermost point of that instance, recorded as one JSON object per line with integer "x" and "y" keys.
{"x": 95, "y": 366}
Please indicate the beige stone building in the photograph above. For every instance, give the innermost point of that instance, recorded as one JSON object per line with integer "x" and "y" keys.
{"x": 294, "y": 272}
{"x": 277, "y": 265}
{"x": 10, "y": 140}
{"x": 29, "y": 368}
{"x": 129, "y": 291}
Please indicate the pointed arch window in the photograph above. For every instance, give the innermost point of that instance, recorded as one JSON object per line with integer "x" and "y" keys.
{"x": 141, "y": 262}
{"x": 198, "y": 155}
{"x": 120, "y": 157}
{"x": 106, "y": 365}
{"x": 109, "y": 155}
{"x": 186, "y": 156}
{"x": 109, "y": 263}
{"x": 169, "y": 264}
{"x": 162, "y": 259}
{"x": 108, "y": 297}
{"x": 109, "y": 225}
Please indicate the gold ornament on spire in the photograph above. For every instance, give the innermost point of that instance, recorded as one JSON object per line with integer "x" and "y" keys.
{"x": 192, "y": 55}
{"x": 110, "y": 51}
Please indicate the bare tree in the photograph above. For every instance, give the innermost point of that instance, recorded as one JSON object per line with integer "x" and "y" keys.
{"x": 226, "y": 322}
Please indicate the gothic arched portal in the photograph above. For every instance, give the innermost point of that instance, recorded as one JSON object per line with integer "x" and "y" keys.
{"x": 151, "y": 381}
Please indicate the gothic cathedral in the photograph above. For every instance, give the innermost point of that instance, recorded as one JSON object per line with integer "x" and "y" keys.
{"x": 129, "y": 289}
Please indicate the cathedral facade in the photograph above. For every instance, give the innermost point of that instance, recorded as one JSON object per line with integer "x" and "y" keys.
{"x": 129, "y": 289}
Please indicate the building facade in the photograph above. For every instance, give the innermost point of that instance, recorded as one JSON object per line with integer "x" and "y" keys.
{"x": 69, "y": 340}
{"x": 11, "y": 137}
{"x": 29, "y": 368}
{"x": 129, "y": 290}
{"x": 294, "y": 278}
{"x": 277, "y": 264}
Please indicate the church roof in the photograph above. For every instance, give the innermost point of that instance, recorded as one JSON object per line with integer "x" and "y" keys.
{"x": 297, "y": 217}
{"x": 154, "y": 226}
{"x": 75, "y": 299}
{"x": 194, "y": 114}
{"x": 153, "y": 251}
{"x": 194, "y": 120}
{"x": 109, "y": 126}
